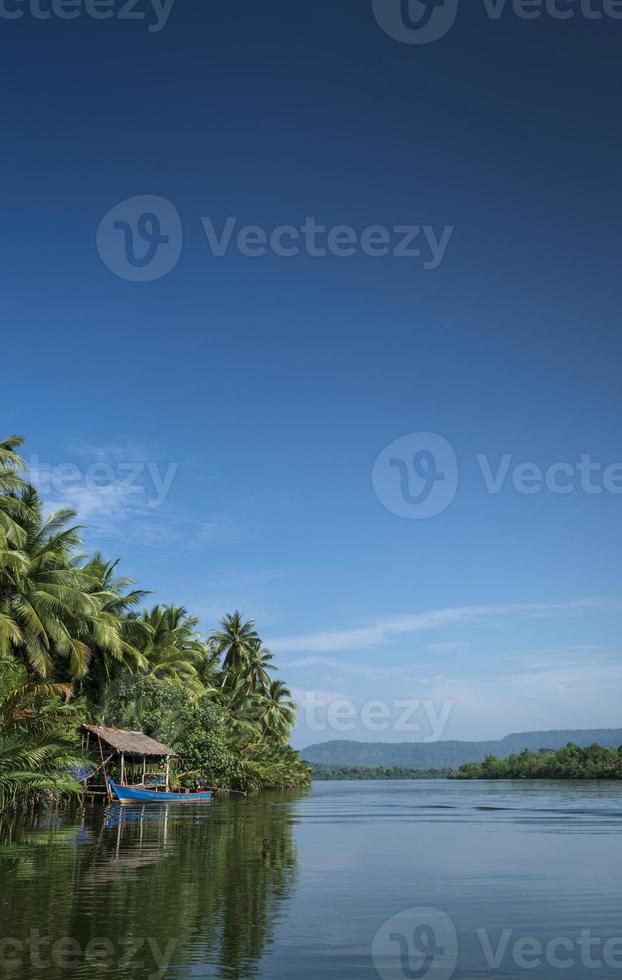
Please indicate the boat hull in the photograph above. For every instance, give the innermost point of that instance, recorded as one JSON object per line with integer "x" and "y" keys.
{"x": 130, "y": 794}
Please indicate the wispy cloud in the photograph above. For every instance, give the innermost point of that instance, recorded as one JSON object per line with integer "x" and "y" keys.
{"x": 554, "y": 697}
{"x": 123, "y": 491}
{"x": 563, "y": 696}
{"x": 443, "y": 649}
{"x": 304, "y": 696}
{"x": 383, "y": 630}
{"x": 331, "y": 665}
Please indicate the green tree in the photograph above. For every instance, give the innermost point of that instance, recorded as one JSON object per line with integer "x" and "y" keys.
{"x": 255, "y": 672}
{"x": 74, "y": 645}
{"x": 38, "y": 747}
{"x": 202, "y": 744}
{"x": 236, "y": 642}
{"x": 116, "y": 599}
{"x": 278, "y": 711}
{"x": 168, "y": 639}
{"x": 47, "y": 599}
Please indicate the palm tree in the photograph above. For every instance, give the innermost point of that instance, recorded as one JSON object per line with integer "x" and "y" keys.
{"x": 255, "y": 672}
{"x": 12, "y": 561}
{"x": 53, "y": 614}
{"x": 116, "y": 599}
{"x": 168, "y": 639}
{"x": 235, "y": 642}
{"x": 242, "y": 710}
{"x": 45, "y": 598}
{"x": 208, "y": 668}
{"x": 278, "y": 712}
{"x": 68, "y": 623}
{"x": 37, "y": 747}
{"x": 11, "y": 485}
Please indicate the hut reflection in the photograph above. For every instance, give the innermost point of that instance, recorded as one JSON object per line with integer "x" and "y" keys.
{"x": 204, "y": 882}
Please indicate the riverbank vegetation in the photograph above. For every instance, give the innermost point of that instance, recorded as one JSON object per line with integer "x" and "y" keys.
{"x": 375, "y": 772}
{"x": 78, "y": 643}
{"x": 571, "y": 762}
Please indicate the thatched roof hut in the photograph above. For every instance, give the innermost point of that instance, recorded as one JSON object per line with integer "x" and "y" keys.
{"x": 128, "y": 747}
{"x": 129, "y": 743}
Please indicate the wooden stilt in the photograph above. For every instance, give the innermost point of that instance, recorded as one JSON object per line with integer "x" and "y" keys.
{"x": 101, "y": 752}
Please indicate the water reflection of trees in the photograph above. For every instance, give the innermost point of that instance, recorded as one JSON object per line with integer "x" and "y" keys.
{"x": 211, "y": 881}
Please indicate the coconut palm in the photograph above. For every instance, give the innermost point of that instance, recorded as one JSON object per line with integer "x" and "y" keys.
{"x": 70, "y": 626}
{"x": 47, "y": 599}
{"x": 111, "y": 632}
{"x": 168, "y": 639}
{"x": 33, "y": 767}
{"x": 243, "y": 709}
{"x": 235, "y": 642}
{"x": 255, "y": 671}
{"x": 12, "y": 561}
{"x": 278, "y": 711}
{"x": 11, "y": 485}
{"x": 37, "y": 746}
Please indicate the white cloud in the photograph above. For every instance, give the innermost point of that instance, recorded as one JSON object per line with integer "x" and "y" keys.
{"x": 327, "y": 665}
{"x": 445, "y": 648}
{"x": 305, "y": 697}
{"x": 123, "y": 492}
{"x": 573, "y": 696}
{"x": 383, "y": 630}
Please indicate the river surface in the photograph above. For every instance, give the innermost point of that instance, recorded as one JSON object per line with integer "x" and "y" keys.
{"x": 347, "y": 881}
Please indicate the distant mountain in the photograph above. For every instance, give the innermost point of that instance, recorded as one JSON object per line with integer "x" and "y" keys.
{"x": 449, "y": 755}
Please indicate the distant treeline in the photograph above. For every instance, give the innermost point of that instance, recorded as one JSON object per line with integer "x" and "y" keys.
{"x": 571, "y": 762}
{"x": 450, "y": 754}
{"x": 379, "y": 772}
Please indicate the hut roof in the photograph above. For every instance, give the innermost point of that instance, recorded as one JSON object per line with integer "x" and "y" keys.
{"x": 132, "y": 743}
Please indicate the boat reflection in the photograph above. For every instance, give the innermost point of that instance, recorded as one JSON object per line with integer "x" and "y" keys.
{"x": 207, "y": 883}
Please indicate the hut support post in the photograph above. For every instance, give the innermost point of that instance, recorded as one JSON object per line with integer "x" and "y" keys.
{"x": 123, "y": 768}
{"x": 104, "y": 761}
{"x": 166, "y": 772}
{"x": 144, "y": 769}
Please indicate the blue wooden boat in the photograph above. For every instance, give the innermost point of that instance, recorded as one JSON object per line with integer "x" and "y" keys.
{"x": 132, "y": 794}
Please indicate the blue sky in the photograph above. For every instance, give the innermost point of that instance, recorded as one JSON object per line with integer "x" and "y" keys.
{"x": 236, "y": 405}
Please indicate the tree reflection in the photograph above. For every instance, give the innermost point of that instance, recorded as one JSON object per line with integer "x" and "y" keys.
{"x": 203, "y": 886}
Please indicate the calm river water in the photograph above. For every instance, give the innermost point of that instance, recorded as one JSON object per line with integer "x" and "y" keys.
{"x": 397, "y": 880}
